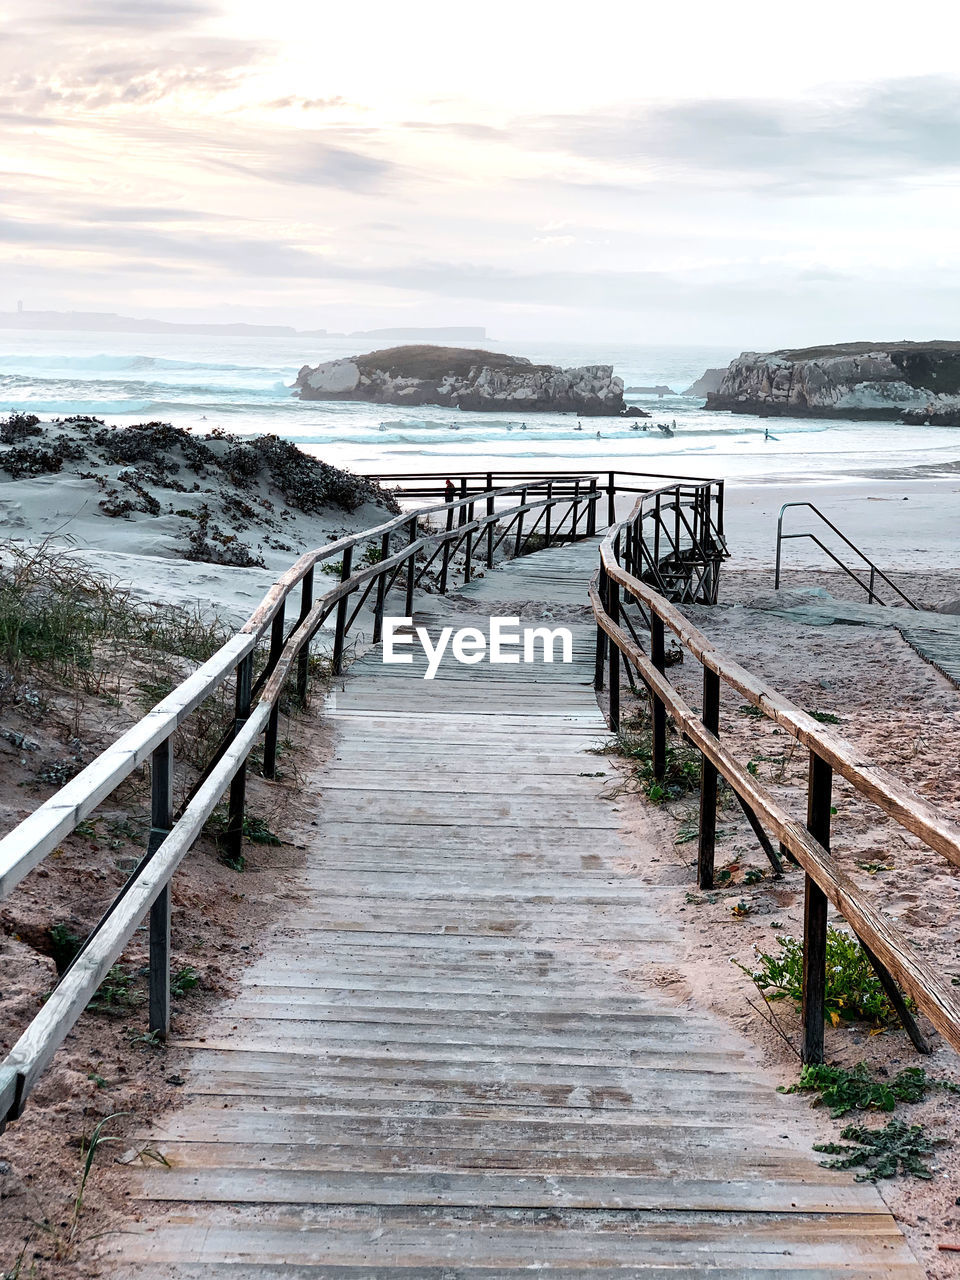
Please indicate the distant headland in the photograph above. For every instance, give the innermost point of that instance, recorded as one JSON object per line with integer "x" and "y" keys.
{"x": 917, "y": 382}
{"x": 466, "y": 378}
{"x": 110, "y": 322}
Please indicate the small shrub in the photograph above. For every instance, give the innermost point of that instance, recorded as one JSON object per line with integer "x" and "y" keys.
{"x": 19, "y": 426}
{"x": 881, "y": 1153}
{"x": 64, "y": 945}
{"x": 184, "y": 980}
{"x": 682, "y": 764}
{"x": 824, "y": 717}
{"x": 116, "y": 993}
{"x": 858, "y": 1090}
{"x": 853, "y": 993}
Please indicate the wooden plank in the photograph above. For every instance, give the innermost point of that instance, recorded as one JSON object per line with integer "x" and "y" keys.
{"x": 434, "y": 1047}
{"x": 290, "y": 1187}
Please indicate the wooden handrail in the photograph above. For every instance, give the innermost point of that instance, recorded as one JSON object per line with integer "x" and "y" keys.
{"x": 37, "y": 835}
{"x": 886, "y": 946}
{"x": 40, "y": 833}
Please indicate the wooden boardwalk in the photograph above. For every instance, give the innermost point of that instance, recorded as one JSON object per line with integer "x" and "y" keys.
{"x": 437, "y": 1068}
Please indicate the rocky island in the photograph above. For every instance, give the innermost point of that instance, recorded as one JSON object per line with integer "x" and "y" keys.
{"x": 911, "y": 381}
{"x": 464, "y": 378}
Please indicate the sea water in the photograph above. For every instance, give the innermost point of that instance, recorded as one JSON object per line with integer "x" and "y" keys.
{"x": 244, "y": 385}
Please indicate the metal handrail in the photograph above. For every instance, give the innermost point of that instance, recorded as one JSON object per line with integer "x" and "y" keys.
{"x": 875, "y": 571}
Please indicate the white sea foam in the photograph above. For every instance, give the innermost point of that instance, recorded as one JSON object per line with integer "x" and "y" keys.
{"x": 244, "y": 385}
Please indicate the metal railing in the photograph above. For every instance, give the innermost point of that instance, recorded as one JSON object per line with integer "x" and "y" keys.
{"x": 897, "y": 963}
{"x": 401, "y": 554}
{"x": 875, "y": 572}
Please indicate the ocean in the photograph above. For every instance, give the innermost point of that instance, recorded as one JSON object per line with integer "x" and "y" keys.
{"x": 243, "y": 385}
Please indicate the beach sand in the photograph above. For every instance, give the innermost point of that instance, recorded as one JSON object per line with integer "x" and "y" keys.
{"x": 902, "y": 711}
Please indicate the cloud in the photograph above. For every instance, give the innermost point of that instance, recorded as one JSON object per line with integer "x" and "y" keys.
{"x": 96, "y": 54}
{"x": 135, "y": 16}
{"x": 133, "y": 77}
{"x": 305, "y": 104}
{"x": 304, "y": 159}
{"x": 888, "y": 131}
{"x": 893, "y": 130}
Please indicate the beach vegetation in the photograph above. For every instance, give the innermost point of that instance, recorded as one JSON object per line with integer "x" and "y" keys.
{"x": 185, "y": 980}
{"x": 881, "y": 1153}
{"x": 853, "y": 990}
{"x": 682, "y": 770}
{"x": 856, "y": 1089}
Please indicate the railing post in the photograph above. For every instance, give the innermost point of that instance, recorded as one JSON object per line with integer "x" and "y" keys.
{"x": 819, "y": 793}
{"x": 490, "y": 527}
{"x": 233, "y": 837}
{"x": 463, "y": 493}
{"x": 611, "y": 499}
{"x": 411, "y": 564}
{"x": 575, "y": 511}
{"x": 601, "y": 655}
{"x": 708, "y": 783}
{"x": 303, "y": 659}
{"x": 381, "y": 590}
{"x": 613, "y": 609}
{"x": 445, "y": 550}
{"x": 548, "y": 518}
{"x": 468, "y": 546}
{"x": 340, "y": 634}
{"x": 519, "y": 541}
{"x": 659, "y": 717}
{"x": 273, "y": 724}
{"x": 776, "y": 567}
{"x": 161, "y": 821}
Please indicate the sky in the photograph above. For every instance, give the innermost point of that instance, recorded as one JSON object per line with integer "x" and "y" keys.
{"x": 744, "y": 174}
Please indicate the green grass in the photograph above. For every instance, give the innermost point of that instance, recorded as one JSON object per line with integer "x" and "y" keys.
{"x": 853, "y": 992}
{"x": 117, "y": 993}
{"x": 682, "y": 763}
{"x": 59, "y": 616}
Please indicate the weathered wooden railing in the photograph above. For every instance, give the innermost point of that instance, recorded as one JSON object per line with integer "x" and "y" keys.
{"x": 625, "y": 561}
{"x": 399, "y": 555}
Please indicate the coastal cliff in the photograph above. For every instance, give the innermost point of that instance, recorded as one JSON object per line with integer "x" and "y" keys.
{"x": 912, "y": 381}
{"x": 463, "y": 378}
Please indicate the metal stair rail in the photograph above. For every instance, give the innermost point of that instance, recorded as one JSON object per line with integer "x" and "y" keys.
{"x": 875, "y": 571}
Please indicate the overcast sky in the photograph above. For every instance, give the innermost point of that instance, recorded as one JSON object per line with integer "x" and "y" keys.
{"x": 745, "y": 174}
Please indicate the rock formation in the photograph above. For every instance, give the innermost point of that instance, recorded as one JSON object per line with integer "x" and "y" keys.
{"x": 461, "y": 378}
{"x": 915, "y": 381}
{"x": 708, "y": 382}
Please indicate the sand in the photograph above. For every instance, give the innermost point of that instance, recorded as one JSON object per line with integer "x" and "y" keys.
{"x": 897, "y": 706}
{"x": 906, "y": 716}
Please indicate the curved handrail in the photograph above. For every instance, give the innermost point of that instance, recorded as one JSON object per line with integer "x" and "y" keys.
{"x": 25, "y": 846}
{"x": 883, "y": 941}
{"x": 40, "y": 833}
{"x": 875, "y": 571}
